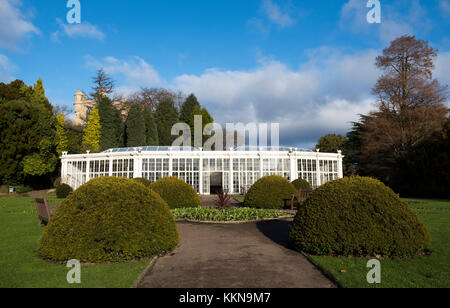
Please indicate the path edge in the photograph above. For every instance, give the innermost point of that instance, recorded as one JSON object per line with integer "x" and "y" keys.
{"x": 144, "y": 273}
{"x": 324, "y": 272}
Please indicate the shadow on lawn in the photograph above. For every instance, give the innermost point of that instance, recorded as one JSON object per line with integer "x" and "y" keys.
{"x": 277, "y": 231}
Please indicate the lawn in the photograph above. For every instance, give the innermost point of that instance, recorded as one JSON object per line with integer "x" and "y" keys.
{"x": 239, "y": 199}
{"x": 426, "y": 272}
{"x": 21, "y": 267}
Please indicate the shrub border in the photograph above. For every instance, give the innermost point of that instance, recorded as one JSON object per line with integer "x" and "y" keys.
{"x": 240, "y": 222}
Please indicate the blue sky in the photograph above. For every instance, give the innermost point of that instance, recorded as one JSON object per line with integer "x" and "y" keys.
{"x": 308, "y": 65}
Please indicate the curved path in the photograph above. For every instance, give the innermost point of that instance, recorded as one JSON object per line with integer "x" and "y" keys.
{"x": 253, "y": 255}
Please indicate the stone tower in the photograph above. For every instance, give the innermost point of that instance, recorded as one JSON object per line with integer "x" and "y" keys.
{"x": 83, "y": 106}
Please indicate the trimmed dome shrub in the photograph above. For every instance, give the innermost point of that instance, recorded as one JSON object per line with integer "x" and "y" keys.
{"x": 269, "y": 192}
{"x": 143, "y": 181}
{"x": 57, "y": 182}
{"x": 301, "y": 183}
{"x": 176, "y": 192}
{"x": 63, "y": 190}
{"x": 357, "y": 216}
{"x": 109, "y": 220}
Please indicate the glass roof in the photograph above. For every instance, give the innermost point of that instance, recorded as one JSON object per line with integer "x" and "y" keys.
{"x": 150, "y": 149}
{"x": 268, "y": 149}
{"x": 193, "y": 149}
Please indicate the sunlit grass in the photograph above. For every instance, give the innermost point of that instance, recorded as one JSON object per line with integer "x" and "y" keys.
{"x": 425, "y": 272}
{"x": 21, "y": 267}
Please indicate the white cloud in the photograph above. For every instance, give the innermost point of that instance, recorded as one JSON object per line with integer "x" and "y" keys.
{"x": 323, "y": 95}
{"x": 390, "y": 30}
{"x": 6, "y": 69}
{"x": 444, "y": 6}
{"x": 135, "y": 72}
{"x": 83, "y": 30}
{"x": 271, "y": 14}
{"x": 441, "y": 72}
{"x": 401, "y": 18}
{"x": 14, "y": 26}
{"x": 276, "y": 15}
{"x": 258, "y": 25}
{"x": 353, "y": 16}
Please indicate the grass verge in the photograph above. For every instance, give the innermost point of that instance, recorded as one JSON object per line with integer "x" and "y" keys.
{"x": 431, "y": 271}
{"x": 21, "y": 267}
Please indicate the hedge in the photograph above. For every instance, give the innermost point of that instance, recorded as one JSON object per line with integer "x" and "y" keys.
{"x": 357, "y": 216}
{"x": 269, "y": 192}
{"x": 301, "y": 184}
{"x": 56, "y": 182}
{"x": 63, "y": 190}
{"x": 143, "y": 181}
{"x": 176, "y": 192}
{"x": 109, "y": 220}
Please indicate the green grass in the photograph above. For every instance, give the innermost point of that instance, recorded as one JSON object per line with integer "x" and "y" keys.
{"x": 227, "y": 215}
{"x": 426, "y": 272}
{"x": 21, "y": 267}
{"x": 239, "y": 199}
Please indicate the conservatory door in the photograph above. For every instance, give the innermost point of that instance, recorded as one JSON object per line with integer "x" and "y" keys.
{"x": 216, "y": 183}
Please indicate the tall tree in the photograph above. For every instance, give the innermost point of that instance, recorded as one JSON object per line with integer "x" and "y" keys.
{"x": 18, "y": 119}
{"x": 410, "y": 102}
{"x": 62, "y": 141}
{"x": 28, "y": 133}
{"x": 103, "y": 85}
{"x": 92, "y": 133}
{"x": 331, "y": 143}
{"x": 75, "y": 138}
{"x": 410, "y": 106}
{"x": 112, "y": 127}
{"x": 12, "y": 91}
{"x": 166, "y": 116}
{"x": 425, "y": 171}
{"x": 187, "y": 108}
{"x": 38, "y": 95}
{"x": 135, "y": 127}
{"x": 206, "y": 119}
{"x": 352, "y": 149}
{"x": 151, "y": 131}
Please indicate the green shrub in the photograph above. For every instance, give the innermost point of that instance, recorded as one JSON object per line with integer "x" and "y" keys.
{"x": 269, "y": 192}
{"x": 232, "y": 214}
{"x": 301, "y": 183}
{"x": 63, "y": 190}
{"x": 143, "y": 181}
{"x": 23, "y": 189}
{"x": 177, "y": 193}
{"x": 56, "y": 183}
{"x": 109, "y": 220}
{"x": 357, "y": 216}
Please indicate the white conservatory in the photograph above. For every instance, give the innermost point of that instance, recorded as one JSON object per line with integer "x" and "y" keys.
{"x": 207, "y": 171}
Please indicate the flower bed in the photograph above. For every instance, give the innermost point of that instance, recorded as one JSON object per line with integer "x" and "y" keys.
{"x": 205, "y": 214}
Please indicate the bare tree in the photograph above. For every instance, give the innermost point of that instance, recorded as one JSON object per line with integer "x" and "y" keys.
{"x": 151, "y": 97}
{"x": 57, "y": 109}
